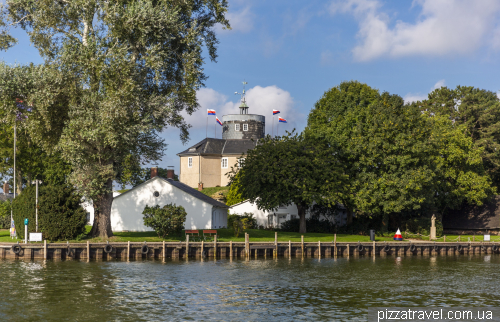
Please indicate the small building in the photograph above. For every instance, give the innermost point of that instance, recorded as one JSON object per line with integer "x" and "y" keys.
{"x": 274, "y": 218}
{"x": 203, "y": 212}
{"x": 471, "y": 219}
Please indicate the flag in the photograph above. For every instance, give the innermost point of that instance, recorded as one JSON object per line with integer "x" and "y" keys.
{"x": 211, "y": 112}
{"x": 218, "y": 121}
{"x": 276, "y": 112}
{"x": 282, "y": 120}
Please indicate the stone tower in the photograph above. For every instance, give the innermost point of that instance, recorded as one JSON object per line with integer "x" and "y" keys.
{"x": 243, "y": 126}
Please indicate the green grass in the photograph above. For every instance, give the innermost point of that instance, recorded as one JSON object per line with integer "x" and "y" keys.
{"x": 213, "y": 190}
{"x": 256, "y": 235}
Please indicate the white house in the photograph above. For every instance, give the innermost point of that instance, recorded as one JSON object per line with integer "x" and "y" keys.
{"x": 276, "y": 217}
{"x": 203, "y": 212}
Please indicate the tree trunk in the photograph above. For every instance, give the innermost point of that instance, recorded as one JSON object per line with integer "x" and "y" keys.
{"x": 102, "y": 213}
{"x": 302, "y": 218}
{"x": 349, "y": 215}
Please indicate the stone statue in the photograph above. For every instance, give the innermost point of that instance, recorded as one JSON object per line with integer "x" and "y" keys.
{"x": 433, "y": 228}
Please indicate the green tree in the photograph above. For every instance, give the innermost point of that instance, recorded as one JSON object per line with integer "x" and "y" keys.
{"x": 479, "y": 111}
{"x": 115, "y": 75}
{"x": 288, "y": 169}
{"x": 331, "y": 123}
{"x": 60, "y": 216}
{"x": 397, "y": 157}
{"x": 234, "y": 195}
{"x": 168, "y": 220}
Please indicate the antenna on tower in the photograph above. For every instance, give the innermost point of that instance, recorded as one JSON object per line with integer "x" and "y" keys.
{"x": 243, "y": 105}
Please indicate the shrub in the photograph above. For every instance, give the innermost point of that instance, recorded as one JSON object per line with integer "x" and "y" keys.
{"x": 60, "y": 216}
{"x": 422, "y": 225}
{"x": 164, "y": 221}
{"x": 237, "y": 226}
{"x": 247, "y": 220}
{"x": 5, "y": 214}
{"x": 313, "y": 224}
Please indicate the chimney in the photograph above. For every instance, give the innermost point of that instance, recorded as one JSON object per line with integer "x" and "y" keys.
{"x": 170, "y": 174}
{"x": 6, "y": 188}
{"x": 200, "y": 186}
{"x": 154, "y": 172}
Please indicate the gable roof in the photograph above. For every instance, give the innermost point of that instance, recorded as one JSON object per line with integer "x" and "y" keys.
{"x": 187, "y": 189}
{"x": 220, "y": 146}
{"x": 486, "y": 216}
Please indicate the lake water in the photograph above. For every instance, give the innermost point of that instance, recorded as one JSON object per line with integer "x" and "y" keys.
{"x": 256, "y": 290}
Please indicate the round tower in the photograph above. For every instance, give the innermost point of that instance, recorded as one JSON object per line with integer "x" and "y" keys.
{"x": 243, "y": 125}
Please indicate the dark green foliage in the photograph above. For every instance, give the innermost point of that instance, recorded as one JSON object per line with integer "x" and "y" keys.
{"x": 421, "y": 225}
{"x": 234, "y": 195}
{"x": 247, "y": 220}
{"x": 168, "y": 220}
{"x": 479, "y": 111}
{"x": 60, "y": 216}
{"x": 314, "y": 225}
{"x": 5, "y": 214}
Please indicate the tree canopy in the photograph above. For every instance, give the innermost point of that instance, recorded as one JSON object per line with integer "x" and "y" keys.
{"x": 288, "y": 169}
{"x": 395, "y": 156}
{"x": 115, "y": 74}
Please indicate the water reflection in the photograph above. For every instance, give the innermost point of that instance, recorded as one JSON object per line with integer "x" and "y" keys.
{"x": 262, "y": 289}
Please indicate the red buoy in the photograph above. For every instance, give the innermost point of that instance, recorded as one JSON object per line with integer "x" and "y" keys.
{"x": 398, "y": 236}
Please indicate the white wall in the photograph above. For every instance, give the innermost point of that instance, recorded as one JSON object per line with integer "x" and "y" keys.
{"x": 126, "y": 211}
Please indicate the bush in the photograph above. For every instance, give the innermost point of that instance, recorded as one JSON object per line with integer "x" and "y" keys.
{"x": 5, "y": 214}
{"x": 60, "y": 216}
{"x": 247, "y": 220}
{"x": 164, "y": 221}
{"x": 422, "y": 225}
{"x": 313, "y": 225}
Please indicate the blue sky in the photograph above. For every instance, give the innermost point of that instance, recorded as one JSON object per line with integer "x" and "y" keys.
{"x": 291, "y": 52}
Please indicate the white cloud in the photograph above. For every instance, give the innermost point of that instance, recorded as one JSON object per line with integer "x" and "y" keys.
{"x": 443, "y": 27}
{"x": 261, "y": 100}
{"x": 410, "y": 98}
{"x": 240, "y": 21}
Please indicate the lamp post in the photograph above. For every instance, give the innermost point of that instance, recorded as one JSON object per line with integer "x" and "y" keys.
{"x": 13, "y": 229}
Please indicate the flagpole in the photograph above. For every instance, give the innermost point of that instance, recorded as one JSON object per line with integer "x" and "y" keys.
{"x": 215, "y": 127}
{"x": 272, "y": 133}
{"x": 207, "y": 127}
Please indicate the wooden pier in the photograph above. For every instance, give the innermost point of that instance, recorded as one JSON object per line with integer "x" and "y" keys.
{"x": 247, "y": 249}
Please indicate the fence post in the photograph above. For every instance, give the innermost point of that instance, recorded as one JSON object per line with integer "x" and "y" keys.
{"x": 335, "y": 245}
{"x": 187, "y": 246}
{"x": 163, "y": 251}
{"x": 247, "y": 245}
{"x": 88, "y": 251}
{"x": 231, "y": 249}
{"x": 215, "y": 246}
{"x": 302, "y": 245}
{"x": 289, "y": 249}
{"x": 128, "y": 251}
{"x": 44, "y": 248}
{"x": 319, "y": 249}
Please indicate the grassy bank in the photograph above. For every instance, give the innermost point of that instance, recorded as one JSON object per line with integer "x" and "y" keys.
{"x": 256, "y": 235}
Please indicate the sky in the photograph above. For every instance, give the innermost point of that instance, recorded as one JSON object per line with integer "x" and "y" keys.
{"x": 291, "y": 51}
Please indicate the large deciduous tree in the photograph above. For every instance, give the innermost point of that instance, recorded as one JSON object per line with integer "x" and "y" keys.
{"x": 397, "y": 158}
{"x": 288, "y": 169}
{"x": 115, "y": 74}
{"x": 479, "y": 111}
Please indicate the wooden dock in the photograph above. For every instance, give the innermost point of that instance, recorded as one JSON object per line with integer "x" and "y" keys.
{"x": 179, "y": 250}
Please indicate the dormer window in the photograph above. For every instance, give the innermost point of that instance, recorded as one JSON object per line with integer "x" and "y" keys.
{"x": 236, "y": 127}
{"x": 245, "y": 127}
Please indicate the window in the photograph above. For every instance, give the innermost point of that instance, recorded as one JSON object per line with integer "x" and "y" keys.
{"x": 190, "y": 162}
{"x": 88, "y": 217}
{"x": 245, "y": 127}
{"x": 224, "y": 163}
{"x": 241, "y": 163}
{"x": 236, "y": 127}
{"x": 156, "y": 194}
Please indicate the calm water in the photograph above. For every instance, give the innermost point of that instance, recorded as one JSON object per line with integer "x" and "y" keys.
{"x": 262, "y": 290}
